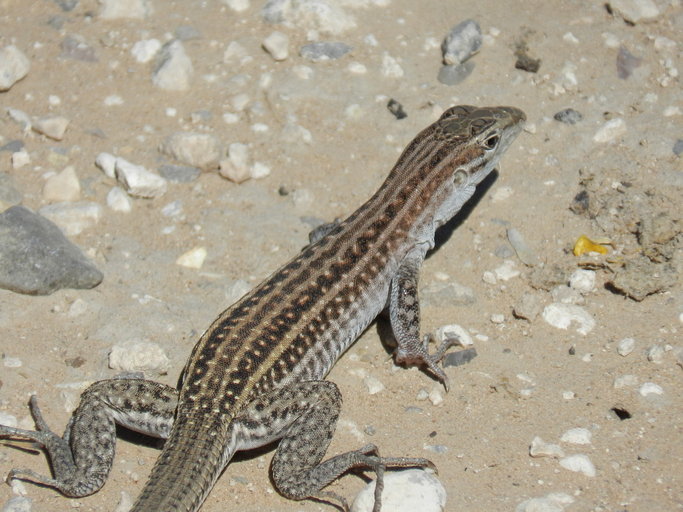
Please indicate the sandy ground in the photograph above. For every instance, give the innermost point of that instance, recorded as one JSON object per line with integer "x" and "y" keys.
{"x": 517, "y": 388}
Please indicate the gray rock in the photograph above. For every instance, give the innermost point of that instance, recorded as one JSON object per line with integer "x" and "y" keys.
{"x": 322, "y": 51}
{"x": 528, "y": 306}
{"x": 634, "y": 11}
{"x": 179, "y": 173}
{"x": 453, "y": 75}
{"x": 442, "y": 294}
{"x": 14, "y": 66}
{"x": 9, "y": 194}
{"x": 640, "y": 277}
{"x": 13, "y": 146}
{"x": 461, "y": 43}
{"x": 37, "y": 259}
{"x": 187, "y": 33}
{"x": 678, "y": 147}
{"x": 77, "y": 49}
{"x": 568, "y": 116}
{"x": 460, "y": 357}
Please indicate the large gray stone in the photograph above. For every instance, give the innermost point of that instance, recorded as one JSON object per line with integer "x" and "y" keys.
{"x": 37, "y": 259}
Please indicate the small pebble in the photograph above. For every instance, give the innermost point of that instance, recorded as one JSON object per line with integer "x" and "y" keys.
{"x": 498, "y": 318}
{"x": 525, "y": 253}
{"x": 138, "y": 181}
{"x": 635, "y": 11}
{"x": 107, "y": 164}
{"x": 138, "y": 356}
{"x": 236, "y": 167}
{"x": 118, "y": 200}
{"x": 238, "y": 5}
{"x": 506, "y": 271}
{"x": 146, "y": 50}
{"x": 528, "y": 306}
{"x": 277, "y": 45}
{"x": 436, "y": 396}
{"x": 626, "y": 346}
{"x": 11, "y": 362}
{"x": 324, "y": 51}
{"x": 63, "y": 186}
{"x": 179, "y": 173}
{"x": 404, "y": 491}
{"x": 14, "y": 66}
{"x": 655, "y": 354}
{"x": 453, "y": 331}
{"x": 390, "y": 67}
{"x": 553, "y": 502}
{"x": 539, "y": 448}
{"x": 174, "y": 69}
{"x": 194, "y": 258}
{"x": 568, "y": 395}
{"x": 577, "y": 436}
{"x": 461, "y": 43}
{"x": 18, "y": 504}
{"x": 650, "y": 388}
{"x": 53, "y": 127}
{"x": 200, "y": 150}
{"x": 20, "y": 159}
{"x": 610, "y": 130}
{"x": 118, "y": 9}
{"x": 579, "y": 463}
{"x": 563, "y": 315}
{"x": 582, "y": 280}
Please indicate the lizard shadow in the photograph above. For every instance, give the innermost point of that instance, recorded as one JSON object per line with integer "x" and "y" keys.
{"x": 442, "y": 235}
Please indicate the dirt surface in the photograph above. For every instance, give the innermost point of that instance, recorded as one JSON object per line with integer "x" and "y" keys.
{"x": 519, "y": 385}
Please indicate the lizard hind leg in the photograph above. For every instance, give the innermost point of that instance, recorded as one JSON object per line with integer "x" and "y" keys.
{"x": 82, "y": 458}
{"x": 304, "y": 416}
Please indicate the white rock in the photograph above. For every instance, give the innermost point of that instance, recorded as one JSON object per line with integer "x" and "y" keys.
{"x": 18, "y": 504}
{"x": 14, "y": 66}
{"x": 259, "y": 170}
{"x": 113, "y": 100}
{"x": 610, "y": 130}
{"x": 577, "y": 436}
{"x": 553, "y": 502}
{"x": 497, "y": 318}
{"x": 566, "y": 295}
{"x": 390, "y": 67}
{"x": 125, "y": 503}
{"x": 107, "y": 163}
{"x": 501, "y": 194}
{"x": 238, "y": 5}
{"x": 138, "y": 181}
{"x": 73, "y": 218}
{"x": 539, "y": 448}
{"x": 650, "y": 388}
{"x": 194, "y": 258}
{"x": 8, "y": 420}
{"x": 625, "y": 381}
{"x": 138, "y": 356}
{"x": 174, "y": 70}
{"x": 77, "y": 308}
{"x": 655, "y": 354}
{"x": 436, "y": 396}
{"x": 116, "y": 9}
{"x": 506, "y": 271}
{"x": 404, "y": 491}
{"x": 453, "y": 331}
{"x": 20, "y": 117}
{"x": 324, "y": 16}
{"x": 236, "y": 167}
{"x": 635, "y": 10}
{"x": 568, "y": 395}
{"x": 235, "y": 52}
{"x": 579, "y": 463}
{"x": 196, "y": 149}
{"x": 626, "y": 346}
{"x": 582, "y": 280}
{"x": 373, "y": 384}
{"x": 20, "y": 159}
{"x": 145, "y": 50}
{"x": 277, "y": 44}
{"x": 562, "y": 315}
{"x": 51, "y": 126}
{"x": 63, "y": 186}
{"x": 118, "y": 200}
{"x": 11, "y": 362}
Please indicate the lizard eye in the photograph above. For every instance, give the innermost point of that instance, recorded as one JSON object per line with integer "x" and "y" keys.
{"x": 459, "y": 177}
{"x": 492, "y": 141}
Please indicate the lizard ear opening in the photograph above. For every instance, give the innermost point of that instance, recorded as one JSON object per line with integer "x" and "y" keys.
{"x": 491, "y": 141}
{"x": 459, "y": 177}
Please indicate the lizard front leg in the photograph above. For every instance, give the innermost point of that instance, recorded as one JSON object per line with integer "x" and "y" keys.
{"x": 82, "y": 458}
{"x": 404, "y": 315}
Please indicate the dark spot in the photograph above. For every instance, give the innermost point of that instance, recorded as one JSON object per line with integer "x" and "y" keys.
{"x": 621, "y": 413}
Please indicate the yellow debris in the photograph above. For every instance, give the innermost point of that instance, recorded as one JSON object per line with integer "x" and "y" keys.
{"x": 584, "y": 244}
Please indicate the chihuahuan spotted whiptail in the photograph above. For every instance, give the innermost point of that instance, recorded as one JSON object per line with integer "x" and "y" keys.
{"x": 256, "y": 375}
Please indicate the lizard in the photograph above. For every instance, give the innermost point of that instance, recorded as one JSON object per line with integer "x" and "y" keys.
{"x": 257, "y": 374}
